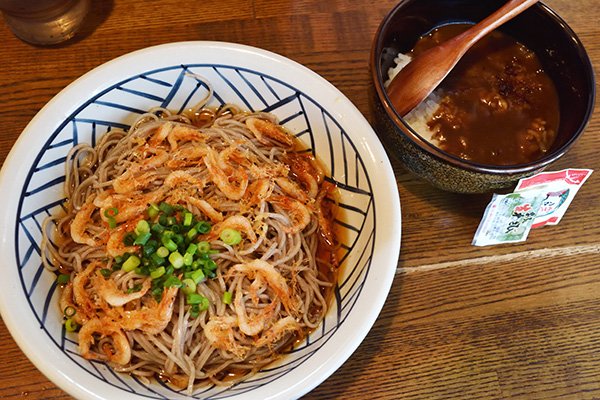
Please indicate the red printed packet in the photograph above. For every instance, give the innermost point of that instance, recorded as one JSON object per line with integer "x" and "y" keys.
{"x": 558, "y": 190}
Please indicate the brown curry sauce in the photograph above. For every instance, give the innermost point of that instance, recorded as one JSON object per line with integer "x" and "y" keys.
{"x": 497, "y": 106}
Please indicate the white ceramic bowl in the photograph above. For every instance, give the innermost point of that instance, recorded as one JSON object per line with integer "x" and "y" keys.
{"x": 114, "y": 94}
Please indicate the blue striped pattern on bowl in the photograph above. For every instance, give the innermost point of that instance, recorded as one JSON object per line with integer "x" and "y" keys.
{"x": 176, "y": 88}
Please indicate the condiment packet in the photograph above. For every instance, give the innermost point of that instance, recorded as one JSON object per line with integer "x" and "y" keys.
{"x": 508, "y": 218}
{"x": 558, "y": 190}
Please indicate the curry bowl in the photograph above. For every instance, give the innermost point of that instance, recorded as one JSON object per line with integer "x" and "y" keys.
{"x": 540, "y": 29}
{"x": 112, "y": 97}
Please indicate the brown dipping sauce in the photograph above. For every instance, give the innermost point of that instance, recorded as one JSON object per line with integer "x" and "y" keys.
{"x": 497, "y": 106}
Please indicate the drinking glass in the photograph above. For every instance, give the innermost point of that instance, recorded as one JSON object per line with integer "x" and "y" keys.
{"x": 44, "y": 22}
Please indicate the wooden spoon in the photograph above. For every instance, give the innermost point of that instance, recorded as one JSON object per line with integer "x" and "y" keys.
{"x": 425, "y": 72}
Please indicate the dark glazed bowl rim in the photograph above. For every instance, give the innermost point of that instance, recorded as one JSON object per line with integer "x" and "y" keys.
{"x": 431, "y": 149}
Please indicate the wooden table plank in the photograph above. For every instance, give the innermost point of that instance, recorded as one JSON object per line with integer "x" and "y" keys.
{"x": 517, "y": 321}
{"x": 529, "y": 328}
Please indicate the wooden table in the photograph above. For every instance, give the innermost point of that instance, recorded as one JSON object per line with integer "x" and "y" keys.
{"x": 519, "y": 321}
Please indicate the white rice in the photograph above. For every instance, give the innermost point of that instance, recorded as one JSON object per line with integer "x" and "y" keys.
{"x": 420, "y": 115}
{"x": 401, "y": 61}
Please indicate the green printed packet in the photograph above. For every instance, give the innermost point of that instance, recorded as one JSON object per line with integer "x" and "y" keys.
{"x": 508, "y": 218}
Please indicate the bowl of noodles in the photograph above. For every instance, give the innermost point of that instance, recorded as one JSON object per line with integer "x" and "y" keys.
{"x": 196, "y": 220}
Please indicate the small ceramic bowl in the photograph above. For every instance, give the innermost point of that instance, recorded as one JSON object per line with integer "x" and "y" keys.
{"x": 539, "y": 28}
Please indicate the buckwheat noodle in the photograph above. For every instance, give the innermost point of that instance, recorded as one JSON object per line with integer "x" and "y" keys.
{"x": 237, "y": 171}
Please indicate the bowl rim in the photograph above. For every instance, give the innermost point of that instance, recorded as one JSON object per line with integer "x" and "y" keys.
{"x": 460, "y": 163}
{"x": 22, "y": 325}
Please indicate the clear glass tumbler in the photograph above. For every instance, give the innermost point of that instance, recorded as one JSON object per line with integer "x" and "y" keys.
{"x": 44, "y": 22}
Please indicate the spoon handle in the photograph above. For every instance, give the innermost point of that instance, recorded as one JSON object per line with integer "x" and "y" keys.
{"x": 508, "y": 11}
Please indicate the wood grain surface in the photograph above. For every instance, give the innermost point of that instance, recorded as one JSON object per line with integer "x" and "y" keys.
{"x": 518, "y": 321}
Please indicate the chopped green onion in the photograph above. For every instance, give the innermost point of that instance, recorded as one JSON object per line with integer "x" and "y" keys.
{"x": 227, "y": 297}
{"x": 203, "y": 246}
{"x": 202, "y": 227}
{"x": 195, "y": 298}
{"x": 197, "y": 276}
{"x": 150, "y": 247}
{"x": 157, "y": 228}
{"x": 69, "y": 311}
{"x": 166, "y": 208}
{"x": 71, "y": 325}
{"x": 171, "y": 281}
{"x": 172, "y": 222}
{"x": 153, "y": 211}
{"x": 176, "y": 259}
{"x": 191, "y": 234}
{"x": 112, "y": 222}
{"x": 157, "y": 293}
{"x": 63, "y": 279}
{"x": 162, "y": 252}
{"x": 142, "y": 238}
{"x": 192, "y": 249}
{"x": 131, "y": 263}
{"x": 169, "y": 243}
{"x": 211, "y": 265}
{"x": 204, "y": 303}
{"x": 163, "y": 220}
{"x": 157, "y": 273}
{"x": 189, "y": 286}
{"x": 178, "y": 239}
{"x": 230, "y": 236}
{"x": 145, "y": 270}
{"x": 156, "y": 259}
{"x": 142, "y": 227}
{"x": 105, "y": 272}
{"x": 136, "y": 288}
{"x": 194, "y": 311}
{"x": 111, "y": 212}
{"x": 166, "y": 243}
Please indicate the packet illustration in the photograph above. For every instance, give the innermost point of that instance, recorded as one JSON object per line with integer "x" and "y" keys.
{"x": 558, "y": 190}
{"x": 508, "y": 218}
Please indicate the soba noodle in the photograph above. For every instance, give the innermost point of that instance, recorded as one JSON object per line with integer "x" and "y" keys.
{"x": 233, "y": 184}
